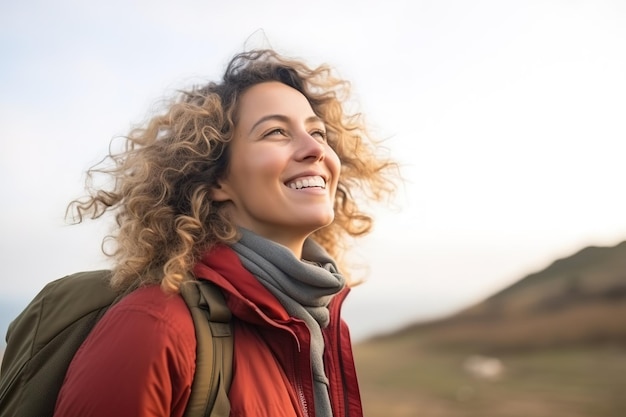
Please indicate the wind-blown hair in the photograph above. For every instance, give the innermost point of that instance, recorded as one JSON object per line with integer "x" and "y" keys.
{"x": 163, "y": 179}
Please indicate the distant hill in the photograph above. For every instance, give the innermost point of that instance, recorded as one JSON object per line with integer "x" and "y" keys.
{"x": 578, "y": 299}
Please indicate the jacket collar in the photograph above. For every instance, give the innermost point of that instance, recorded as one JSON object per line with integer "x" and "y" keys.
{"x": 245, "y": 296}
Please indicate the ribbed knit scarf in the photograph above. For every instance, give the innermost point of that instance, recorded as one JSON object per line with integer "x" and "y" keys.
{"x": 303, "y": 287}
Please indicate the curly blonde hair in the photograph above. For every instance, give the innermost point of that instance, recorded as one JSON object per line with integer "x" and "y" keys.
{"x": 162, "y": 180}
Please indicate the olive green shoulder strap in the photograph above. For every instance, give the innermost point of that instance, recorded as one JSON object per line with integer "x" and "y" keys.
{"x": 214, "y": 349}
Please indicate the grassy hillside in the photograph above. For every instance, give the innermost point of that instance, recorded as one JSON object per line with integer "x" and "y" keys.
{"x": 578, "y": 299}
{"x": 595, "y": 274}
{"x": 553, "y": 344}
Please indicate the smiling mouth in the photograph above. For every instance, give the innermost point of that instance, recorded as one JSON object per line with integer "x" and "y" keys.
{"x": 307, "y": 182}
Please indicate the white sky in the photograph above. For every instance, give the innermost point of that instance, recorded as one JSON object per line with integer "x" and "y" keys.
{"x": 508, "y": 117}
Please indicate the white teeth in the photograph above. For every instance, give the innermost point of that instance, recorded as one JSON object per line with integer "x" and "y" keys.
{"x": 307, "y": 182}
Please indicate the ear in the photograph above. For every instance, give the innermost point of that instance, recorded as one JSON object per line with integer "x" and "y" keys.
{"x": 221, "y": 192}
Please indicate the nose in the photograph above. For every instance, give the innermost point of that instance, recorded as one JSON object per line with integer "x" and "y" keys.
{"x": 309, "y": 147}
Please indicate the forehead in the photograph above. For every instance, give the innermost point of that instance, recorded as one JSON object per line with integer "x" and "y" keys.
{"x": 272, "y": 97}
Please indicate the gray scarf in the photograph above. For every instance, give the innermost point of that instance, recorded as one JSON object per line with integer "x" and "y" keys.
{"x": 304, "y": 288}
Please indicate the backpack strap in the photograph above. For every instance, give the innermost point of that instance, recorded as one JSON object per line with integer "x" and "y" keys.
{"x": 214, "y": 349}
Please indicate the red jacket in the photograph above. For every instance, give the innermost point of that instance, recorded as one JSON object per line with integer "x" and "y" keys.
{"x": 140, "y": 358}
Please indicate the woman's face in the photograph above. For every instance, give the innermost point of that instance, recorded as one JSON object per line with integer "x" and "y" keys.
{"x": 282, "y": 175}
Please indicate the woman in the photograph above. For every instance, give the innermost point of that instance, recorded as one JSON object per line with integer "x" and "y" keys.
{"x": 249, "y": 183}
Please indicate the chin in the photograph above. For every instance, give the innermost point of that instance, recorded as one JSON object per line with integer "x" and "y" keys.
{"x": 314, "y": 221}
{"x": 324, "y": 223}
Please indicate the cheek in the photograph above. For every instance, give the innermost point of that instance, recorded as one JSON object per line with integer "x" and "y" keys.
{"x": 267, "y": 161}
{"x": 334, "y": 163}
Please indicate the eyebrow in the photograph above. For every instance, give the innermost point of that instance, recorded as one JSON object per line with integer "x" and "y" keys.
{"x": 282, "y": 118}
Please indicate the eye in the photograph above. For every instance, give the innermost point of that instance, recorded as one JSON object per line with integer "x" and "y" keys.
{"x": 320, "y": 134}
{"x": 276, "y": 132}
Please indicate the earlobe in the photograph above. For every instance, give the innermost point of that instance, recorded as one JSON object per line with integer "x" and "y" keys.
{"x": 220, "y": 192}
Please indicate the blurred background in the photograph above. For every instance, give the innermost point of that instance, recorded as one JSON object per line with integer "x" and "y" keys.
{"x": 495, "y": 280}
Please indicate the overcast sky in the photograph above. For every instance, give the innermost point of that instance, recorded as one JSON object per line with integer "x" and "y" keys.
{"x": 507, "y": 116}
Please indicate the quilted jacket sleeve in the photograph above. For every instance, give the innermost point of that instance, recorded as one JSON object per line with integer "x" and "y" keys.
{"x": 138, "y": 361}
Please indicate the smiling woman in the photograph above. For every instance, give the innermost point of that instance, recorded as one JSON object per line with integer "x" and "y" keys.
{"x": 250, "y": 184}
{"x": 283, "y": 175}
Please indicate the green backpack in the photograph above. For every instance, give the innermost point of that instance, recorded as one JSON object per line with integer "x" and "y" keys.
{"x": 43, "y": 339}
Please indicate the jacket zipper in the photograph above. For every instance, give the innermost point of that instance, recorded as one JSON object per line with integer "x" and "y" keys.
{"x": 301, "y": 397}
{"x": 297, "y": 380}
